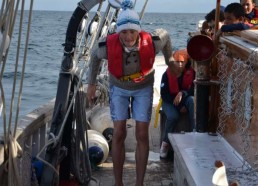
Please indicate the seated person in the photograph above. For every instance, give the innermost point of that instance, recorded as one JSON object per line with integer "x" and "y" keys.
{"x": 205, "y": 30}
{"x": 234, "y": 14}
{"x": 177, "y": 93}
{"x": 251, "y": 13}
{"x": 210, "y": 19}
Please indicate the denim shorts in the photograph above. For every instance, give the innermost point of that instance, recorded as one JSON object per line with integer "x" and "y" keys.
{"x": 141, "y": 103}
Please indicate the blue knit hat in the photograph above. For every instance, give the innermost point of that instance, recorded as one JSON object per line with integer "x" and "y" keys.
{"x": 128, "y": 18}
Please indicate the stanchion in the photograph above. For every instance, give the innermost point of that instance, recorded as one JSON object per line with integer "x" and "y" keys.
{"x": 201, "y": 48}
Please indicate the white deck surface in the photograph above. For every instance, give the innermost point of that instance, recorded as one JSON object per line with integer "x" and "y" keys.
{"x": 160, "y": 68}
{"x": 196, "y": 154}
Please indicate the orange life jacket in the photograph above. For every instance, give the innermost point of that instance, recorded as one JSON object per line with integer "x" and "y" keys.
{"x": 115, "y": 57}
{"x": 188, "y": 78}
{"x": 254, "y": 20}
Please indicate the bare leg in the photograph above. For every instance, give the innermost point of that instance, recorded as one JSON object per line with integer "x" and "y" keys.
{"x": 142, "y": 150}
{"x": 118, "y": 151}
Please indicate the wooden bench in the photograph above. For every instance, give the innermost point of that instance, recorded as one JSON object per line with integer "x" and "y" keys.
{"x": 195, "y": 155}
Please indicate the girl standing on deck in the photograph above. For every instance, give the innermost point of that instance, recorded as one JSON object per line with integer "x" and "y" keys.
{"x": 130, "y": 53}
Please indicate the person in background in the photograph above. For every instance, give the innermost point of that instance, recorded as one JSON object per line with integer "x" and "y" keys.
{"x": 205, "y": 29}
{"x": 130, "y": 53}
{"x": 177, "y": 93}
{"x": 210, "y": 19}
{"x": 251, "y": 13}
{"x": 234, "y": 14}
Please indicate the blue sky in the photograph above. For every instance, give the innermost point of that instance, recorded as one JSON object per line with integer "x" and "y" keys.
{"x": 173, "y": 6}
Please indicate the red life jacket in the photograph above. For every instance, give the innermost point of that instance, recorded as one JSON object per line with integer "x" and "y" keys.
{"x": 188, "y": 78}
{"x": 115, "y": 57}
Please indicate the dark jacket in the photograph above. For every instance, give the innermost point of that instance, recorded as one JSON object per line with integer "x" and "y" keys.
{"x": 164, "y": 88}
{"x": 234, "y": 27}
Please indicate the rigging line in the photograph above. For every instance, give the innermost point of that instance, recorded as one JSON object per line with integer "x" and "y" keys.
{"x": 73, "y": 98}
{"x": 4, "y": 115}
{"x": 83, "y": 37}
{"x": 143, "y": 9}
{"x": 51, "y": 141}
{"x": 16, "y": 66}
{"x": 13, "y": 146}
{"x": 15, "y": 151}
{"x": 54, "y": 139}
{"x": 4, "y": 24}
{"x": 71, "y": 103}
{"x": 103, "y": 22}
{"x": 4, "y": 62}
{"x": 11, "y": 21}
{"x": 1, "y": 86}
{"x": 134, "y": 3}
{"x": 24, "y": 64}
{"x": 1, "y": 12}
{"x": 10, "y": 30}
{"x": 96, "y": 17}
{"x": 14, "y": 17}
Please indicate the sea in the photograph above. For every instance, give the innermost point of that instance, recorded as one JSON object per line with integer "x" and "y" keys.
{"x": 45, "y": 51}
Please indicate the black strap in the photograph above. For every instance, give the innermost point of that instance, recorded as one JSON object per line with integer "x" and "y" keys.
{"x": 103, "y": 43}
{"x": 155, "y": 38}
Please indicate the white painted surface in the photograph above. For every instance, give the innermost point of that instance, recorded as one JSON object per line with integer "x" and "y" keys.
{"x": 160, "y": 68}
{"x": 195, "y": 155}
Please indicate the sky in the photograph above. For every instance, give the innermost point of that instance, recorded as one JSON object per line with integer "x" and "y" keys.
{"x": 165, "y": 6}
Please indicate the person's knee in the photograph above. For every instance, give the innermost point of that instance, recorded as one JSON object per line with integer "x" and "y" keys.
{"x": 171, "y": 117}
{"x": 190, "y": 100}
{"x": 142, "y": 136}
{"x": 119, "y": 134}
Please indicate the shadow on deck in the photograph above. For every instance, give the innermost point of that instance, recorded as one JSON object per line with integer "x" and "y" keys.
{"x": 159, "y": 171}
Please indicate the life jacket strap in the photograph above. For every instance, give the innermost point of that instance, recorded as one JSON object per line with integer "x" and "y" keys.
{"x": 132, "y": 77}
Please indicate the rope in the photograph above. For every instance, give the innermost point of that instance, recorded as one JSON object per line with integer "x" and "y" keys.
{"x": 77, "y": 88}
{"x": 13, "y": 150}
{"x": 23, "y": 67}
{"x": 143, "y": 9}
{"x": 80, "y": 158}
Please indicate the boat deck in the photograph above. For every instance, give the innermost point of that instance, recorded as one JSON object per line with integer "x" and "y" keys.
{"x": 159, "y": 171}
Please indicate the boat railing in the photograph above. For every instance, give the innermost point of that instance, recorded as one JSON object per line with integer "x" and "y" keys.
{"x": 237, "y": 61}
{"x": 32, "y": 135}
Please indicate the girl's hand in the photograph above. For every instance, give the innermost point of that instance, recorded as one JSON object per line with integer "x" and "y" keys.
{"x": 178, "y": 98}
